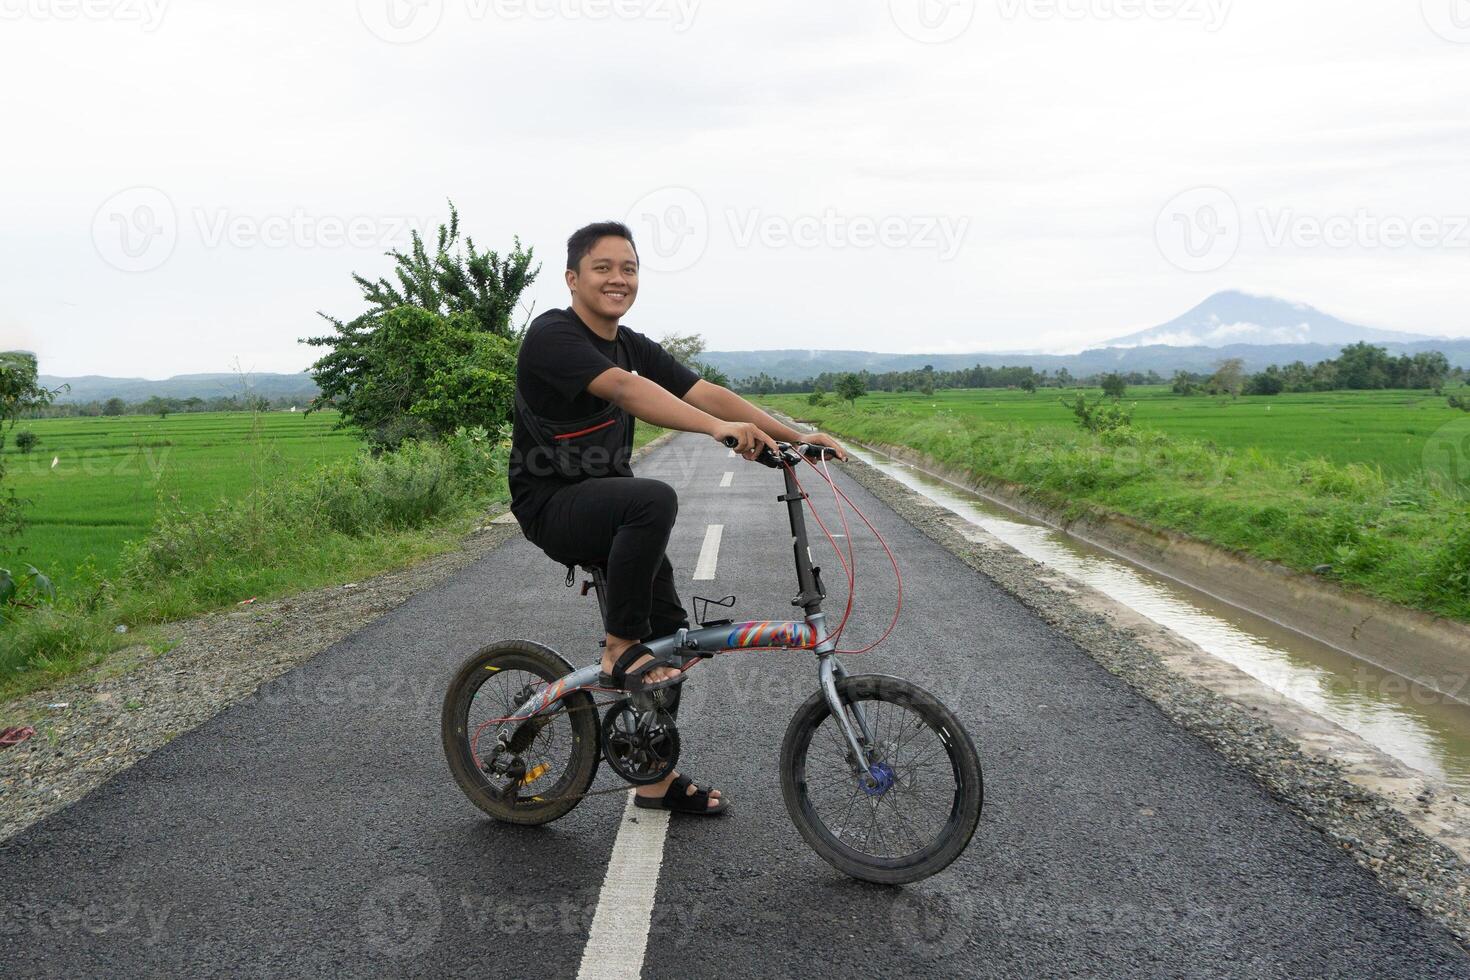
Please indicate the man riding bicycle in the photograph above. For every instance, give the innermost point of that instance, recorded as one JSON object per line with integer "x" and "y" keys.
{"x": 581, "y": 380}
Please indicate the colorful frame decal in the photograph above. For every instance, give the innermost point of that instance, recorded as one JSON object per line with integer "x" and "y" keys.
{"x": 772, "y": 633}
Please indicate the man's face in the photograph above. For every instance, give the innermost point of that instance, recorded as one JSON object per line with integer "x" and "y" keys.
{"x": 606, "y": 280}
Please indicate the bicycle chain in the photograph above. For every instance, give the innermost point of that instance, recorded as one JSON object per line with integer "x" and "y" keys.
{"x": 597, "y": 792}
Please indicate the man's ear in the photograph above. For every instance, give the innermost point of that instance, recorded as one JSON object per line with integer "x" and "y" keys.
{"x": 571, "y": 279}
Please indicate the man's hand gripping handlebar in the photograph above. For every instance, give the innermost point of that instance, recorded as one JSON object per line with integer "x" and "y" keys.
{"x": 789, "y": 454}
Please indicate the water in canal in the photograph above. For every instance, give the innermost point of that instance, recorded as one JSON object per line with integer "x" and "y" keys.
{"x": 1424, "y": 729}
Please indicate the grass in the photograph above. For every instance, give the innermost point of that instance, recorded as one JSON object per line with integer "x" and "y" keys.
{"x": 281, "y": 519}
{"x": 1391, "y": 518}
{"x": 1386, "y": 429}
{"x": 112, "y": 475}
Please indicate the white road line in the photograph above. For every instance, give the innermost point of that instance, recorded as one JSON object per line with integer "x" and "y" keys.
{"x": 725, "y": 480}
{"x": 619, "y": 935}
{"x": 709, "y": 554}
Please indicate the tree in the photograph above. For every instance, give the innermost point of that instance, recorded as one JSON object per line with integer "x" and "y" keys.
{"x": 1229, "y": 377}
{"x": 1267, "y": 382}
{"x": 684, "y": 348}
{"x": 851, "y": 387}
{"x": 1363, "y": 366}
{"x": 1115, "y": 386}
{"x": 1065, "y": 379}
{"x": 393, "y": 370}
{"x": 1028, "y": 385}
{"x": 20, "y": 392}
{"x": 113, "y": 406}
{"x": 1183, "y": 384}
{"x": 423, "y": 375}
{"x": 713, "y": 375}
{"x": 447, "y": 282}
{"x": 25, "y": 440}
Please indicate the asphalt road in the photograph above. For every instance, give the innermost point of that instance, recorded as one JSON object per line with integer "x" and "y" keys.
{"x": 315, "y": 828}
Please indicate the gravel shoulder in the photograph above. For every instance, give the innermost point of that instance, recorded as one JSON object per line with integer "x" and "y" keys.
{"x": 1363, "y": 823}
{"x": 90, "y": 729}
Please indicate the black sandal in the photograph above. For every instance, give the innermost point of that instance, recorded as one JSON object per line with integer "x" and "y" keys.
{"x": 622, "y": 680}
{"x": 678, "y": 799}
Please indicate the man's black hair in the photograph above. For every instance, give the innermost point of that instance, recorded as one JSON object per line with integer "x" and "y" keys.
{"x": 583, "y": 239}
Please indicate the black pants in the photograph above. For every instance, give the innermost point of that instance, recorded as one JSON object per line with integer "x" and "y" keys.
{"x": 624, "y": 524}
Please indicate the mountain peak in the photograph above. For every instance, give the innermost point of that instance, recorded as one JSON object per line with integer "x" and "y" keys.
{"x": 1236, "y": 317}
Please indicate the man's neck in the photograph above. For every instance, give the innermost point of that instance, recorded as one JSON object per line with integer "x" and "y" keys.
{"x": 604, "y": 327}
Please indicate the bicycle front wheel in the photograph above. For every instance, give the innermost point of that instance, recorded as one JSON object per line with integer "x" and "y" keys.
{"x": 916, "y": 805}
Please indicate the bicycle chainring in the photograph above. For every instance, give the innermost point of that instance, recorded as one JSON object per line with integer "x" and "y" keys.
{"x": 642, "y": 746}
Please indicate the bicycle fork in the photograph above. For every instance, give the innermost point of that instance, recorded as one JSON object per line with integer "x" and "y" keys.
{"x": 830, "y": 672}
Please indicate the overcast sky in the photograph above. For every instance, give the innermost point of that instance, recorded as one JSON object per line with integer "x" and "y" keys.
{"x": 186, "y": 183}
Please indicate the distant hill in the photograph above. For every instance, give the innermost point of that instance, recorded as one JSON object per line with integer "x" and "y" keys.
{"x": 794, "y": 365}
{"x": 1231, "y": 317}
{"x": 94, "y": 387}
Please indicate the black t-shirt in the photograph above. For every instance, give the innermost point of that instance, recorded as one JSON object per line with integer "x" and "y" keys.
{"x": 560, "y": 355}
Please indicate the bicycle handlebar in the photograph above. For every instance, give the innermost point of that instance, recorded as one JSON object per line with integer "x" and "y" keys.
{"x": 788, "y": 453}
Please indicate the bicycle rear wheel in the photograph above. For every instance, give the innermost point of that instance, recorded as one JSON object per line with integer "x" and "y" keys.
{"x": 527, "y": 773}
{"x": 919, "y": 807}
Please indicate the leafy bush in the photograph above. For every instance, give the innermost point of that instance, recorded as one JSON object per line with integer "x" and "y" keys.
{"x": 27, "y": 591}
{"x": 25, "y": 440}
{"x": 1100, "y": 415}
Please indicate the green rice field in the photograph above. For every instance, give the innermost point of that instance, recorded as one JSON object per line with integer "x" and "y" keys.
{"x": 1369, "y": 488}
{"x": 1390, "y": 430}
{"x": 94, "y": 483}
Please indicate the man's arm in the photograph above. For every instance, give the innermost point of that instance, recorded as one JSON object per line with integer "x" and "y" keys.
{"x": 723, "y": 403}
{"x": 656, "y": 405}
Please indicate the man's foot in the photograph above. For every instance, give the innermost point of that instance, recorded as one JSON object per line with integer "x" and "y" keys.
{"x": 680, "y": 794}
{"x": 614, "y": 649}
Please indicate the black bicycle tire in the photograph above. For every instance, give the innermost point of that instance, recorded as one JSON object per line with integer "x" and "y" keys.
{"x": 549, "y": 665}
{"x": 960, "y": 748}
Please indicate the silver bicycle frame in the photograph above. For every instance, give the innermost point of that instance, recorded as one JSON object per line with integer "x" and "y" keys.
{"x": 685, "y": 646}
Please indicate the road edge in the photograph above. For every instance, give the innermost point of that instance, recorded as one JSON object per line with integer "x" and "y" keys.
{"x": 1362, "y": 823}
